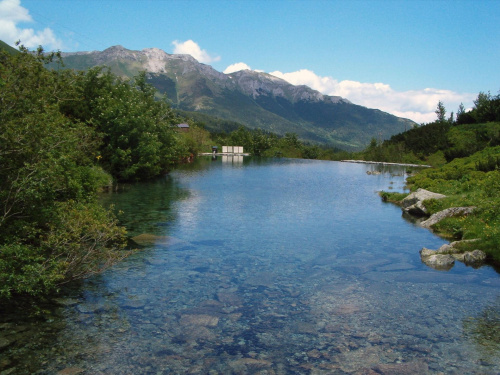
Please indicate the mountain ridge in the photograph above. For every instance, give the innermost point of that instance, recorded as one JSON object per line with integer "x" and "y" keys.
{"x": 255, "y": 99}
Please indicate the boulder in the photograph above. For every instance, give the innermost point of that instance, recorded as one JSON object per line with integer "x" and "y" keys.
{"x": 449, "y": 212}
{"x": 425, "y": 252}
{"x": 439, "y": 261}
{"x": 413, "y": 203}
{"x": 474, "y": 258}
{"x": 448, "y": 249}
{"x": 458, "y": 256}
{"x": 443, "y": 258}
{"x": 456, "y": 253}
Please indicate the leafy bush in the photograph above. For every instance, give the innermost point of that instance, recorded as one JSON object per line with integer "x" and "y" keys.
{"x": 81, "y": 240}
{"x": 52, "y": 231}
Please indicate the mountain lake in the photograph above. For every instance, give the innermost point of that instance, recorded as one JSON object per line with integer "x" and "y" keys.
{"x": 265, "y": 266}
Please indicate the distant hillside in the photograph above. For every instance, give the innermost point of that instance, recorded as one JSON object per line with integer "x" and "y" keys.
{"x": 255, "y": 99}
{"x": 10, "y": 50}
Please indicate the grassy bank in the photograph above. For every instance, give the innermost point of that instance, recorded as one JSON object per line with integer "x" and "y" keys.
{"x": 469, "y": 181}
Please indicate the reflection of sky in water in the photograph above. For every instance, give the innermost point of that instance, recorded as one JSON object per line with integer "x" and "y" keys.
{"x": 190, "y": 210}
{"x": 283, "y": 266}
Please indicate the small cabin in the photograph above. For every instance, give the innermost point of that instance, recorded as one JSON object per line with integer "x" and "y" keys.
{"x": 183, "y": 127}
{"x": 232, "y": 149}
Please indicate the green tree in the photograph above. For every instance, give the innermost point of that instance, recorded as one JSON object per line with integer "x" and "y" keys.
{"x": 51, "y": 228}
{"x": 262, "y": 141}
{"x": 440, "y": 112}
{"x": 451, "y": 119}
{"x": 483, "y": 108}
{"x": 139, "y": 141}
{"x": 461, "y": 110}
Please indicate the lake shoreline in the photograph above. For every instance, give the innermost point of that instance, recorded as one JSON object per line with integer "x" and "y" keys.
{"x": 386, "y": 163}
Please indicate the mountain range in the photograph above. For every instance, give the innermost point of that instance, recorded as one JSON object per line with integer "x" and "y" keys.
{"x": 254, "y": 99}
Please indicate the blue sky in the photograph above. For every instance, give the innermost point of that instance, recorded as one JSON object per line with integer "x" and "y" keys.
{"x": 398, "y": 56}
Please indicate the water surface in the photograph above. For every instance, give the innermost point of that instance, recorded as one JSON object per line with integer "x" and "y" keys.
{"x": 266, "y": 266}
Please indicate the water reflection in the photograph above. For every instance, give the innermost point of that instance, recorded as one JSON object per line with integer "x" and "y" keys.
{"x": 273, "y": 267}
{"x": 150, "y": 212}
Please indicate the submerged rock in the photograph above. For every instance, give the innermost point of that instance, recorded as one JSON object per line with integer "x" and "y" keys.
{"x": 413, "y": 203}
{"x": 415, "y": 367}
{"x": 71, "y": 371}
{"x": 199, "y": 320}
{"x": 442, "y": 262}
{"x": 147, "y": 239}
{"x": 250, "y": 365}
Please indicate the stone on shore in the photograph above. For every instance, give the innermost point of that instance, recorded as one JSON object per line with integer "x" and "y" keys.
{"x": 413, "y": 203}
{"x": 449, "y": 249}
{"x": 449, "y": 212}
{"x": 442, "y": 262}
{"x": 443, "y": 257}
{"x": 474, "y": 258}
{"x": 425, "y": 252}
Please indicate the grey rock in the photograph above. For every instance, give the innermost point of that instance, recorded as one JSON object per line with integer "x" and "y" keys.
{"x": 425, "y": 252}
{"x": 458, "y": 256}
{"x": 413, "y": 203}
{"x": 449, "y": 212}
{"x": 439, "y": 261}
{"x": 473, "y": 258}
{"x": 442, "y": 257}
{"x": 449, "y": 249}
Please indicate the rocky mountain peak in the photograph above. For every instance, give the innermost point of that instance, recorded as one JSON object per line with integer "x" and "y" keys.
{"x": 115, "y": 53}
{"x": 258, "y": 83}
{"x": 255, "y": 99}
{"x": 155, "y": 60}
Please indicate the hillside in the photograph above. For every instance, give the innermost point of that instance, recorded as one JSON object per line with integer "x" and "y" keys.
{"x": 465, "y": 154}
{"x": 10, "y": 50}
{"x": 255, "y": 99}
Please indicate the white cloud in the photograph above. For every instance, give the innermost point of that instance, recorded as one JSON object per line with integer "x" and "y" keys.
{"x": 192, "y": 48}
{"x": 236, "y": 68}
{"x": 417, "y": 105}
{"x": 11, "y": 14}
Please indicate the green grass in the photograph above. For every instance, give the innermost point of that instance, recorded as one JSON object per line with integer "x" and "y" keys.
{"x": 465, "y": 182}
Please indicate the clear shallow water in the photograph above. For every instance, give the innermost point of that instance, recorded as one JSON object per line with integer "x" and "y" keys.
{"x": 266, "y": 267}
